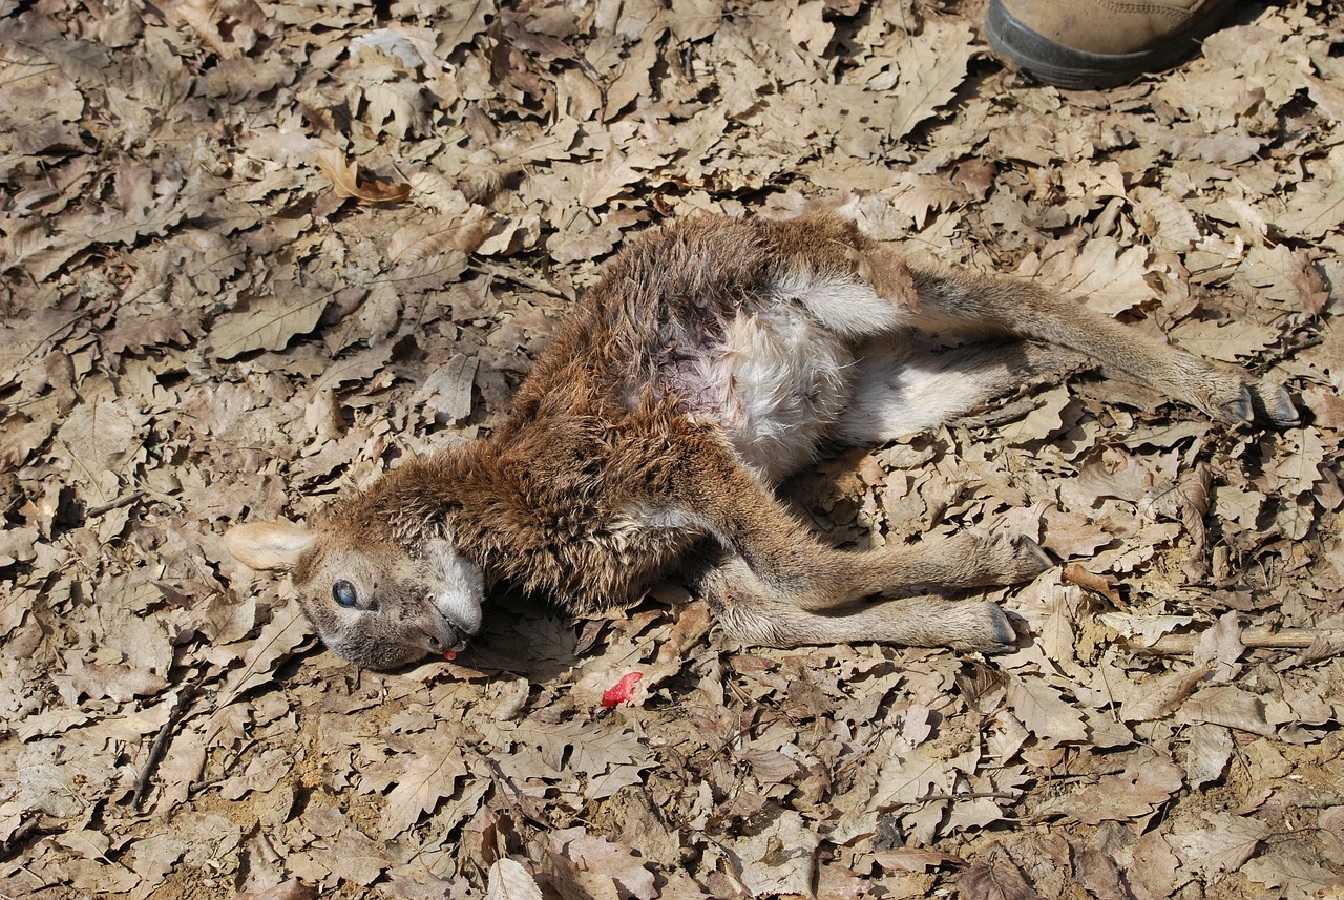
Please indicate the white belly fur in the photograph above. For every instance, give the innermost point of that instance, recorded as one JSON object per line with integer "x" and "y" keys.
{"x": 785, "y": 377}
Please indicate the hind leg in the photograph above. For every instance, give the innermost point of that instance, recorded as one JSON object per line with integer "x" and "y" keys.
{"x": 902, "y": 387}
{"x": 860, "y": 290}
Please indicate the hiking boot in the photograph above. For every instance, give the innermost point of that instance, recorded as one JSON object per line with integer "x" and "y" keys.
{"x": 1098, "y": 43}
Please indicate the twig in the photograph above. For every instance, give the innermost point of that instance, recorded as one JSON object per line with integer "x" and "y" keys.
{"x": 127, "y": 500}
{"x": 971, "y": 795}
{"x": 156, "y": 749}
{"x": 1319, "y": 642}
{"x": 522, "y": 279}
{"x": 1320, "y": 802}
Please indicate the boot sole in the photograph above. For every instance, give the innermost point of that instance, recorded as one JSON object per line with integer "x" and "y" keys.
{"x": 1066, "y": 67}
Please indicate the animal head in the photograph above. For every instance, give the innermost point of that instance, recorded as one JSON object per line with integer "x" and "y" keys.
{"x": 373, "y": 602}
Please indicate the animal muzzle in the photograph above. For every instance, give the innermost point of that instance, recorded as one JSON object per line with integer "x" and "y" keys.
{"x": 441, "y": 629}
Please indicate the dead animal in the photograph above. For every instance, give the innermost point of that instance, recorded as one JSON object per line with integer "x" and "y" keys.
{"x": 712, "y": 360}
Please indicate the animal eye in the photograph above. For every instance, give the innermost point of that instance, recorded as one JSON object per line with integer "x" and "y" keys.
{"x": 343, "y": 592}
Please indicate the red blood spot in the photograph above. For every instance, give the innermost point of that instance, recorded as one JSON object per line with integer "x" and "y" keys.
{"x": 622, "y": 691}
{"x": 450, "y": 655}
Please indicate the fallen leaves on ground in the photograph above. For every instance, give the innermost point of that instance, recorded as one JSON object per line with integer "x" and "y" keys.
{"x": 252, "y": 254}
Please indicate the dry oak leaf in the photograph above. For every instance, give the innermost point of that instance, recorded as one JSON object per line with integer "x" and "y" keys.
{"x": 434, "y": 235}
{"x": 354, "y": 857}
{"x": 1166, "y": 221}
{"x": 19, "y": 438}
{"x": 120, "y": 682}
{"x": 578, "y": 861}
{"x": 1105, "y": 277}
{"x": 1315, "y": 207}
{"x": 18, "y": 544}
{"x": 587, "y": 748}
{"x": 600, "y": 182}
{"x": 1222, "y": 847}
{"x": 344, "y": 178}
{"x": 693, "y": 20}
{"x": 1148, "y": 782}
{"x": 100, "y": 435}
{"x": 1044, "y": 712}
{"x": 1284, "y": 275}
{"x": 1046, "y": 419}
{"x": 267, "y": 323}
{"x": 399, "y": 108}
{"x": 1329, "y": 98}
{"x": 286, "y": 630}
{"x": 1297, "y": 877}
{"x": 430, "y": 775}
{"x": 229, "y": 27}
{"x": 932, "y": 66}
{"x": 999, "y": 880}
{"x": 1159, "y": 697}
{"x": 1228, "y": 341}
{"x": 1229, "y": 707}
{"x": 918, "y": 195}
{"x": 780, "y": 860}
{"x": 510, "y": 880}
{"x": 1209, "y": 750}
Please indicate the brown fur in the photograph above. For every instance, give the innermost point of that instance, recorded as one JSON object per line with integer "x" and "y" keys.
{"x": 615, "y": 467}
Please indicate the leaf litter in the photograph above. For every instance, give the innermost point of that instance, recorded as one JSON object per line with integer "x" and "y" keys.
{"x": 252, "y": 254}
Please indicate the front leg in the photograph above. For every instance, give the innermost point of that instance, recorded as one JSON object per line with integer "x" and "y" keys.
{"x": 730, "y": 504}
{"x": 751, "y": 612}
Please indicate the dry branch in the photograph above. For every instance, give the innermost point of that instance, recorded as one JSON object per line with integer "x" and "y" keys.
{"x": 1317, "y": 643}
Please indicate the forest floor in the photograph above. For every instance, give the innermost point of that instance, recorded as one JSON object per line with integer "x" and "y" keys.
{"x": 253, "y": 253}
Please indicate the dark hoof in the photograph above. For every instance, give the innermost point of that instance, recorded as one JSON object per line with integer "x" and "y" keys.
{"x": 1241, "y": 410}
{"x": 1033, "y": 554}
{"x": 1005, "y": 638}
{"x": 1276, "y": 404}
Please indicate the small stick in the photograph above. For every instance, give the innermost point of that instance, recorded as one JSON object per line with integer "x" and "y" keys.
{"x": 971, "y": 795}
{"x": 127, "y": 500}
{"x": 156, "y": 749}
{"x": 1321, "y": 642}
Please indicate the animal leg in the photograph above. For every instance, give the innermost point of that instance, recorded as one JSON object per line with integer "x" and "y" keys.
{"x": 963, "y": 302}
{"x": 860, "y": 289}
{"x": 729, "y": 503}
{"x": 749, "y": 611}
{"x": 902, "y": 388}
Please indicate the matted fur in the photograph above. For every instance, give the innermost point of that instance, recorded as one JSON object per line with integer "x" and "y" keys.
{"x": 710, "y": 361}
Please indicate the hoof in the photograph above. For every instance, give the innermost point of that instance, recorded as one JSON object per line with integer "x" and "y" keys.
{"x": 992, "y": 632}
{"x": 1276, "y": 404}
{"x": 1033, "y": 556}
{"x": 1241, "y": 410}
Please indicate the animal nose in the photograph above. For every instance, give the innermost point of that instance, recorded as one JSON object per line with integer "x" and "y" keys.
{"x": 440, "y": 637}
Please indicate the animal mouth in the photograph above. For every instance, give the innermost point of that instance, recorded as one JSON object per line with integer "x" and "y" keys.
{"x": 449, "y": 621}
{"x": 441, "y": 635}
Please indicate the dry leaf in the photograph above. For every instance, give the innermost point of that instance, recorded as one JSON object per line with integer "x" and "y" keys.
{"x": 1157, "y": 698}
{"x": 508, "y": 880}
{"x": 344, "y": 178}
{"x": 287, "y": 629}
{"x": 780, "y": 859}
{"x": 1044, "y": 712}
{"x": 267, "y": 323}
{"x": 1106, "y": 277}
{"x": 999, "y": 880}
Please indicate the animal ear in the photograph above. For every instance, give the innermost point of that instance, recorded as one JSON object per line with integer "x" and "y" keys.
{"x": 269, "y": 545}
